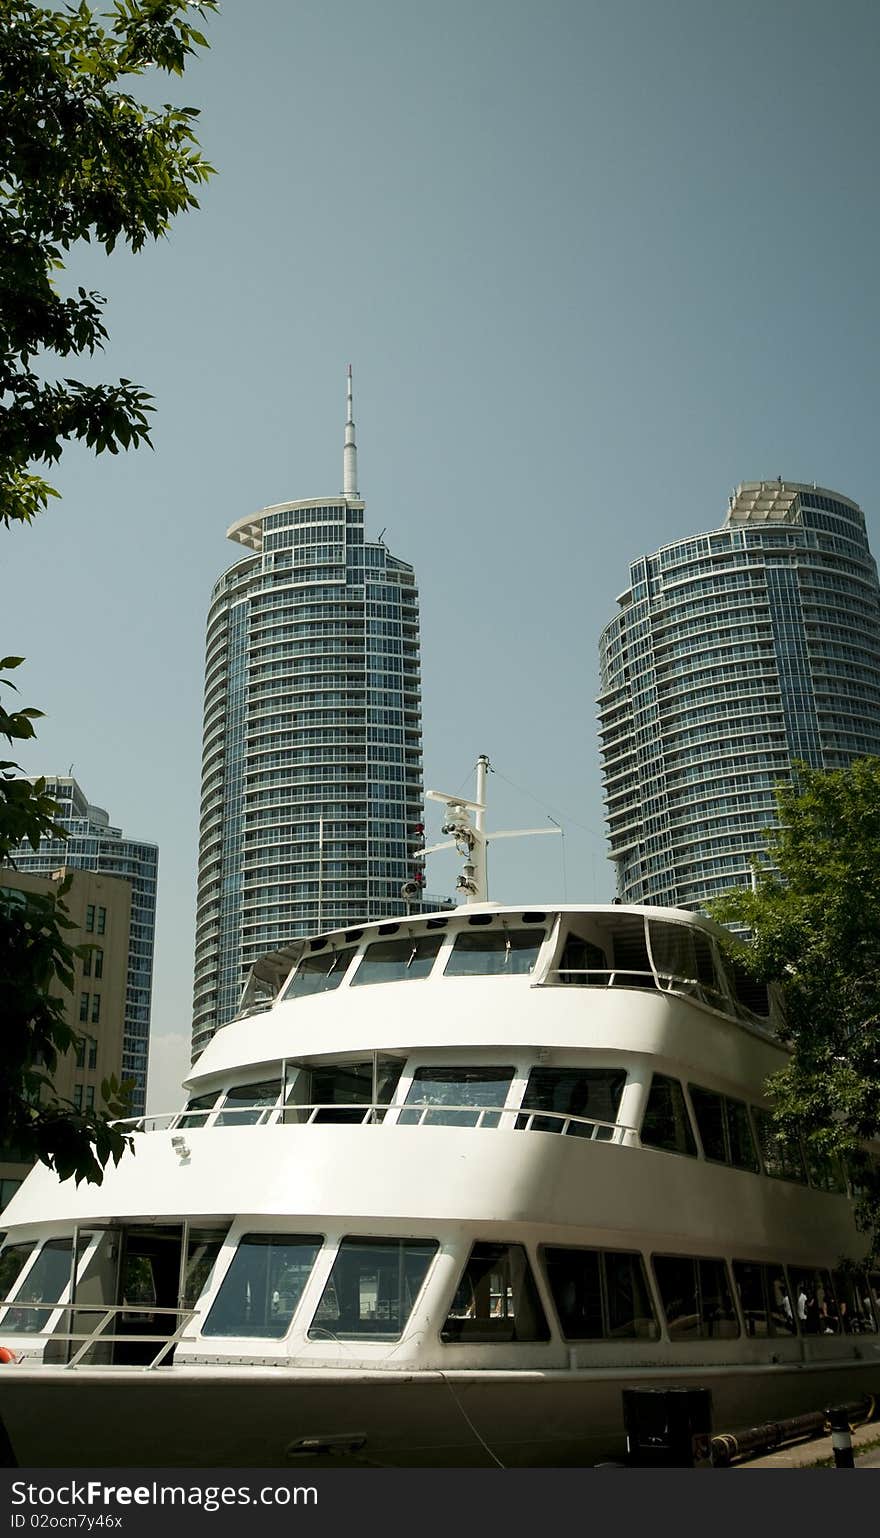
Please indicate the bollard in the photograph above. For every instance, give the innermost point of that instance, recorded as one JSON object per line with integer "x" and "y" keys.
{"x": 841, "y": 1437}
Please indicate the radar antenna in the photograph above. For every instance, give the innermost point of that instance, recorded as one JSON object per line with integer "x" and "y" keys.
{"x": 470, "y": 838}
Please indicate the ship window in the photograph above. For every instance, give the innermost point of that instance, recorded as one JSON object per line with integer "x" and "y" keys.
{"x": 864, "y": 1173}
{"x": 667, "y": 1124}
{"x": 873, "y": 1294}
{"x": 44, "y": 1283}
{"x": 764, "y": 1298}
{"x": 263, "y": 1285}
{"x": 389, "y": 961}
{"x": 583, "y": 964}
{"x": 372, "y": 1288}
{"x": 496, "y": 1299}
{"x": 723, "y": 1125}
{"x": 601, "y": 1296}
{"x": 632, "y": 966}
{"x": 442, "y": 1089}
{"x": 783, "y": 1157}
{"x": 496, "y": 953}
{"x": 592, "y": 1093}
{"x": 247, "y": 1104}
{"x": 854, "y": 1303}
{"x": 318, "y": 974}
{"x": 13, "y": 1259}
{"x": 342, "y": 1091}
{"x": 197, "y": 1111}
{"x": 824, "y": 1170}
{"x": 696, "y": 1298}
{"x": 816, "y": 1303}
{"x": 685, "y": 961}
{"x": 752, "y": 995}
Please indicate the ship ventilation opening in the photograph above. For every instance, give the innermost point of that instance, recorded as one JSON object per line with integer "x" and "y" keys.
{"x": 161, "y": 1273}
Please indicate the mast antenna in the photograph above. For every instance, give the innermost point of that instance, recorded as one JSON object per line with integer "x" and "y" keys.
{"x": 469, "y": 836}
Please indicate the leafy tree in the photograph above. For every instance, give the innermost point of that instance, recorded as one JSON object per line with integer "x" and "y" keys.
{"x": 81, "y": 159}
{"x": 814, "y": 922}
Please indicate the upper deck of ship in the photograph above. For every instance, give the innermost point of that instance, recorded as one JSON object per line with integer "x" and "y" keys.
{"x": 485, "y": 974}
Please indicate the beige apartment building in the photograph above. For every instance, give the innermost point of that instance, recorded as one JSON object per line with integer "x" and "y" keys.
{"x": 100, "y": 908}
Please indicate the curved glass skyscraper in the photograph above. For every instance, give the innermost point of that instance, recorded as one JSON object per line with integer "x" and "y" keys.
{"x": 311, "y": 767}
{"x": 732, "y": 654}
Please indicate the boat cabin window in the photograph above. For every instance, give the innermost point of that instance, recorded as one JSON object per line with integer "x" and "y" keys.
{"x": 815, "y": 1301}
{"x": 247, "y": 1104}
{"x": 752, "y": 996}
{"x": 443, "y": 1097}
{"x": 764, "y": 1298}
{"x": 854, "y": 1303}
{"x": 824, "y": 1171}
{"x": 723, "y": 1125}
{"x": 863, "y": 1171}
{"x": 667, "y": 1123}
{"x": 263, "y": 1285}
{"x": 340, "y": 1091}
{"x": 319, "y": 974}
{"x": 583, "y": 964}
{"x": 632, "y": 964}
{"x": 47, "y": 1279}
{"x": 496, "y": 1299}
{"x": 494, "y": 953}
{"x": 197, "y": 1111}
{"x": 601, "y": 1295}
{"x": 685, "y": 960}
{"x": 391, "y": 961}
{"x": 589, "y": 1095}
{"x": 372, "y": 1289}
{"x": 696, "y": 1298}
{"x": 783, "y": 1157}
{"x": 13, "y": 1259}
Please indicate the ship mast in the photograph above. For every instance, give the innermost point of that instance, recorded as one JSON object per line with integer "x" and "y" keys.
{"x": 469, "y": 836}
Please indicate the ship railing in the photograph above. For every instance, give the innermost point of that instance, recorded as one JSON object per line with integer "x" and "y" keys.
{"x": 632, "y": 977}
{"x": 164, "y": 1340}
{"x": 357, "y": 1113}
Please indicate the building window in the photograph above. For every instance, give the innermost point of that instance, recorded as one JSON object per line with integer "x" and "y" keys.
{"x": 84, "y": 1006}
{"x": 93, "y": 1053}
{"x": 90, "y": 918}
{"x": 102, "y": 920}
{"x": 99, "y": 963}
{"x": 87, "y": 964}
{"x": 90, "y": 1097}
{"x": 78, "y": 1096}
{"x": 96, "y": 1008}
{"x": 81, "y": 1051}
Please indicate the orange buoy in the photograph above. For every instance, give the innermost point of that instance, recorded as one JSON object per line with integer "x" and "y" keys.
{"x": 6, "y": 1355}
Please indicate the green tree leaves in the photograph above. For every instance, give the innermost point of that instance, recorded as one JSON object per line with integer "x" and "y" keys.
{"x": 81, "y": 159}
{"x": 815, "y": 926}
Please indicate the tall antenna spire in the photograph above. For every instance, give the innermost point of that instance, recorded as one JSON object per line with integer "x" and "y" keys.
{"x": 349, "y": 452}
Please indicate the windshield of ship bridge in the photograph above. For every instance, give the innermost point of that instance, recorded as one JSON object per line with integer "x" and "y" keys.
{"x": 440, "y": 1089}
{"x": 494, "y": 953}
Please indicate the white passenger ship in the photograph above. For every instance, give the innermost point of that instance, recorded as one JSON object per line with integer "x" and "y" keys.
{"x": 447, "y": 1187}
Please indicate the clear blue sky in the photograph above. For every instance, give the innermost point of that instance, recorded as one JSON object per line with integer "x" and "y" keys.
{"x": 593, "y": 264}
